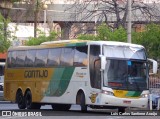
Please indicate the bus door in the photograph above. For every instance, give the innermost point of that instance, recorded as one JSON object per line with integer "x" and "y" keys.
{"x": 95, "y": 74}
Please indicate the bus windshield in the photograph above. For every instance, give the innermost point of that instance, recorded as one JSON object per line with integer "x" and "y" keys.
{"x": 125, "y": 52}
{"x": 126, "y": 74}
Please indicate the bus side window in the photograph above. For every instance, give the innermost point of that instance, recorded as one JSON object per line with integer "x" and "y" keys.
{"x": 9, "y": 60}
{"x": 95, "y": 76}
{"x": 30, "y": 59}
{"x": 41, "y": 58}
{"x": 54, "y": 57}
{"x": 80, "y": 56}
{"x": 13, "y": 58}
{"x": 20, "y": 59}
{"x": 67, "y": 57}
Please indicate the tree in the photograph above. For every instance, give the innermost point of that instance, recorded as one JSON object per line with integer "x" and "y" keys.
{"x": 107, "y": 33}
{"x": 115, "y": 11}
{"x": 42, "y": 38}
{"x": 4, "y": 35}
{"x": 150, "y": 39}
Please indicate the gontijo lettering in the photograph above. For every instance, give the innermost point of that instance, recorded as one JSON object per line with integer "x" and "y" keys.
{"x": 36, "y": 74}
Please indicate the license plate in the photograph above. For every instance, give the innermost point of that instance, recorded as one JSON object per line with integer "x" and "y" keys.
{"x": 126, "y": 102}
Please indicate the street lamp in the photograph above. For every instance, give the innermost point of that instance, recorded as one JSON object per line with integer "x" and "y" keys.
{"x": 45, "y": 6}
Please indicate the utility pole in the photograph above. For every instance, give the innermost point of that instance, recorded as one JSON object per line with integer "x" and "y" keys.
{"x": 129, "y": 25}
{"x": 45, "y": 6}
{"x": 36, "y": 5}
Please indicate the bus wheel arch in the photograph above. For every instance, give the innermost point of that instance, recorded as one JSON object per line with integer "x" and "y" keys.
{"x": 20, "y": 100}
{"x": 81, "y": 100}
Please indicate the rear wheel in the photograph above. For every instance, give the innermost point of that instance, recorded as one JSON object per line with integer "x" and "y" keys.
{"x": 61, "y": 107}
{"x": 20, "y": 100}
{"x": 29, "y": 103}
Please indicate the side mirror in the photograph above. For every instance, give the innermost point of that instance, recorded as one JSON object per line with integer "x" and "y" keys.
{"x": 103, "y": 62}
{"x": 154, "y": 66}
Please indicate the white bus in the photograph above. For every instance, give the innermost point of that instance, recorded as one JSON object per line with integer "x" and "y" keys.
{"x": 96, "y": 74}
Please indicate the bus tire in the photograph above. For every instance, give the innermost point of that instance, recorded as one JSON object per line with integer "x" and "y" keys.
{"x": 61, "y": 107}
{"x": 20, "y": 100}
{"x": 83, "y": 103}
{"x": 29, "y": 103}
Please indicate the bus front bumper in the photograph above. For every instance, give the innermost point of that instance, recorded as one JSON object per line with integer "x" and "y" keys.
{"x": 108, "y": 100}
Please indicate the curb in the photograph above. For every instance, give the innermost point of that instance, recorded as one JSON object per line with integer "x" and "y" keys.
{"x": 5, "y": 102}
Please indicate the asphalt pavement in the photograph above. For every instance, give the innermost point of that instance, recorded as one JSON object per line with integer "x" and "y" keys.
{"x": 74, "y": 113}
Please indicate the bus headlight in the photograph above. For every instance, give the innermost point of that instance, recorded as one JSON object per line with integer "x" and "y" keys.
{"x": 107, "y": 92}
{"x": 144, "y": 96}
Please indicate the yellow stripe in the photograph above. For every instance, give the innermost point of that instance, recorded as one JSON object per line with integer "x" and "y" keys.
{"x": 122, "y": 94}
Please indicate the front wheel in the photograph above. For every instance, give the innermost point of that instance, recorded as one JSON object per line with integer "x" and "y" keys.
{"x": 83, "y": 103}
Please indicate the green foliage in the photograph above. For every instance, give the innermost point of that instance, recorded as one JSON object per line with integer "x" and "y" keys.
{"x": 4, "y": 34}
{"x": 42, "y": 38}
{"x": 87, "y": 37}
{"x": 150, "y": 39}
{"x": 107, "y": 34}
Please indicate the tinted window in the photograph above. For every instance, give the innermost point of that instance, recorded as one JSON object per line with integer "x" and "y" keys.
{"x": 41, "y": 57}
{"x": 80, "y": 56}
{"x": 9, "y": 59}
{"x": 30, "y": 58}
{"x": 20, "y": 59}
{"x": 67, "y": 57}
{"x": 54, "y": 57}
{"x": 13, "y": 58}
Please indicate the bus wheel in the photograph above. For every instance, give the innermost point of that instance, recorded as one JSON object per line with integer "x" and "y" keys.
{"x": 29, "y": 103}
{"x": 20, "y": 100}
{"x": 28, "y": 100}
{"x": 83, "y": 103}
{"x": 61, "y": 107}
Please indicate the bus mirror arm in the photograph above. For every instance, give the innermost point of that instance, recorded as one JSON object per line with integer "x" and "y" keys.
{"x": 154, "y": 67}
{"x": 103, "y": 62}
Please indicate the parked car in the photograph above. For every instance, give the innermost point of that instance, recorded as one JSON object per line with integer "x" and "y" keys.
{"x": 1, "y": 86}
{"x": 1, "y": 91}
{"x": 155, "y": 98}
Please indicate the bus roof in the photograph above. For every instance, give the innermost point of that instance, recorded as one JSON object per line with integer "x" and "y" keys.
{"x": 66, "y": 43}
{"x": 115, "y": 43}
{"x": 63, "y": 42}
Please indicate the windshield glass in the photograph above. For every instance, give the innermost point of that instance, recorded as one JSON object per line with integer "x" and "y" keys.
{"x": 126, "y": 52}
{"x": 125, "y": 74}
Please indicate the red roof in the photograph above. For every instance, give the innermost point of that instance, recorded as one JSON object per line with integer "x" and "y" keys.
{"x": 3, "y": 55}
